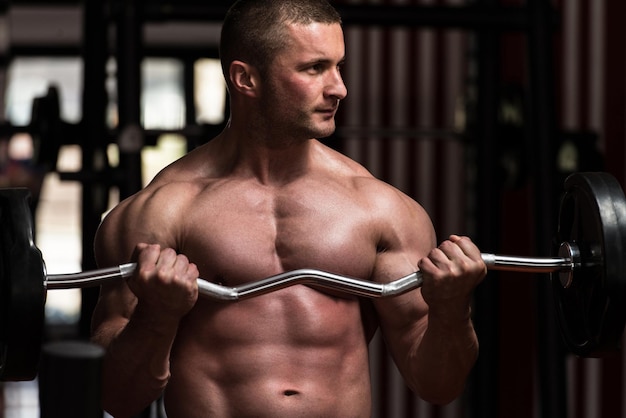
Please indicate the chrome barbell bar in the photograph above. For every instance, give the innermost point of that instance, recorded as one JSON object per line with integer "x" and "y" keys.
{"x": 566, "y": 263}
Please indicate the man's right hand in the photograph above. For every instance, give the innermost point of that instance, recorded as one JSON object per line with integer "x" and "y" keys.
{"x": 164, "y": 282}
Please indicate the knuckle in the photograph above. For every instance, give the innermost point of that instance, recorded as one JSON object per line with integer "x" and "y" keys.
{"x": 465, "y": 239}
{"x": 445, "y": 244}
{"x": 168, "y": 252}
{"x": 144, "y": 271}
{"x": 435, "y": 253}
{"x": 194, "y": 270}
{"x": 152, "y": 248}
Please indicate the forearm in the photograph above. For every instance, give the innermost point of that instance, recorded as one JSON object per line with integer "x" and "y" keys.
{"x": 136, "y": 365}
{"x": 443, "y": 358}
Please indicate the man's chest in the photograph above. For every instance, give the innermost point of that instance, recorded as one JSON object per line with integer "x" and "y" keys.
{"x": 244, "y": 242}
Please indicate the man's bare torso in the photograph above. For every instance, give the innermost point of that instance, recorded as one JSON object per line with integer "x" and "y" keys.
{"x": 294, "y": 352}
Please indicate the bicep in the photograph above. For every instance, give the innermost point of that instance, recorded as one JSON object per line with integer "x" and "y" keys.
{"x": 114, "y": 244}
{"x": 150, "y": 217}
{"x": 410, "y": 237}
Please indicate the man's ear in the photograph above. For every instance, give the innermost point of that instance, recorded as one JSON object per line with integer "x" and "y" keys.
{"x": 244, "y": 78}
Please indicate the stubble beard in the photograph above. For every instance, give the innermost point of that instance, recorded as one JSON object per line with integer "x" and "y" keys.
{"x": 314, "y": 125}
{"x": 301, "y": 128}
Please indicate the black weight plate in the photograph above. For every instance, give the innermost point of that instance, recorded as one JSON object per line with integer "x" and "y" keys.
{"x": 591, "y": 311}
{"x": 22, "y": 289}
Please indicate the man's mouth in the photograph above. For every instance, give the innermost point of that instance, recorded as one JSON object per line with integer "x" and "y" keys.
{"x": 329, "y": 111}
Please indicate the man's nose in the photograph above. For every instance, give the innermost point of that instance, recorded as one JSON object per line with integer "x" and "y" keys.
{"x": 336, "y": 87}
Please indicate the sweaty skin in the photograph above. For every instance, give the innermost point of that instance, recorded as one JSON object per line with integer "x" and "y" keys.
{"x": 260, "y": 199}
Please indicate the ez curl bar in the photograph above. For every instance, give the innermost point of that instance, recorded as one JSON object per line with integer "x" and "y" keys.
{"x": 588, "y": 275}
{"x": 318, "y": 278}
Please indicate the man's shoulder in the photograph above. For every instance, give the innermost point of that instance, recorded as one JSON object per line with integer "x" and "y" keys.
{"x": 165, "y": 196}
{"x": 341, "y": 165}
{"x": 342, "y": 168}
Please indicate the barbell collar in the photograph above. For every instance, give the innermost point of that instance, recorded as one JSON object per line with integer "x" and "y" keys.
{"x": 571, "y": 251}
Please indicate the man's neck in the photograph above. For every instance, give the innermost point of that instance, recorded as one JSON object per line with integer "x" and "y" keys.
{"x": 270, "y": 160}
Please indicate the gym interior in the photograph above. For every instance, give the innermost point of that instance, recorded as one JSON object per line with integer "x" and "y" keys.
{"x": 477, "y": 109}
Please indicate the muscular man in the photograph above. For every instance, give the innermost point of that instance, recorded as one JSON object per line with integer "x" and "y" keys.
{"x": 265, "y": 197}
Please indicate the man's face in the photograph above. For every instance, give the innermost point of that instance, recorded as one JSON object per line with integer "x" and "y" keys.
{"x": 303, "y": 86}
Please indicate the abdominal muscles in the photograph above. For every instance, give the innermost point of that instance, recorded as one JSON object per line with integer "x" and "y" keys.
{"x": 293, "y": 352}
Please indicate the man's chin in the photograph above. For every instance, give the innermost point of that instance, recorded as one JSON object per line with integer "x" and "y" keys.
{"x": 325, "y": 132}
